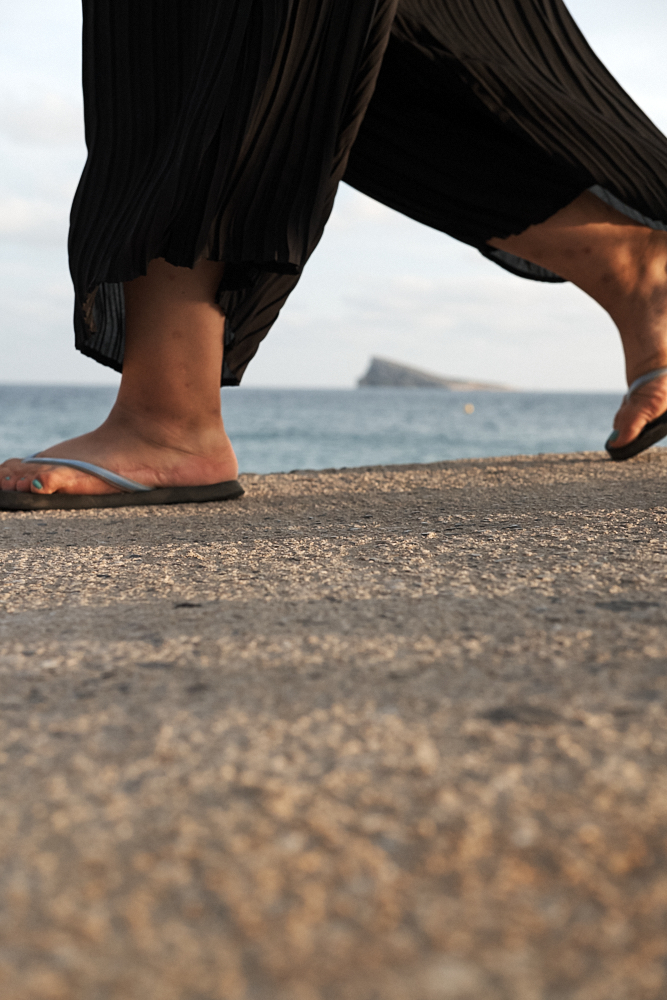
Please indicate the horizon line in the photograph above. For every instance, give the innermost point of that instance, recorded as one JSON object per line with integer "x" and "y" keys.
{"x": 321, "y": 388}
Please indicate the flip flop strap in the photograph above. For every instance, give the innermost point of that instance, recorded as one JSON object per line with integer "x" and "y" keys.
{"x": 93, "y": 470}
{"x": 643, "y": 379}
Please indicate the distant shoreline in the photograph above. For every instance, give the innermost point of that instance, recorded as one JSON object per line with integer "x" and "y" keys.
{"x": 90, "y": 386}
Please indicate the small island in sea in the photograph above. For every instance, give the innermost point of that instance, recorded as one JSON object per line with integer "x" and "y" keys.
{"x": 382, "y": 372}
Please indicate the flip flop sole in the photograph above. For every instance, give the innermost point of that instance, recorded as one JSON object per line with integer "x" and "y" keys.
{"x": 653, "y": 432}
{"x": 10, "y": 500}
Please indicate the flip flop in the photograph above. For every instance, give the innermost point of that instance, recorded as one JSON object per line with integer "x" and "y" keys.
{"x": 651, "y": 433}
{"x": 133, "y": 495}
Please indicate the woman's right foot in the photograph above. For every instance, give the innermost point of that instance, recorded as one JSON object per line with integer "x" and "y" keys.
{"x": 644, "y": 405}
{"x": 623, "y": 266}
{"x": 641, "y": 317}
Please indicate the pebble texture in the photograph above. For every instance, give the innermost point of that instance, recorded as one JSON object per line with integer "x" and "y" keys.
{"x": 372, "y": 734}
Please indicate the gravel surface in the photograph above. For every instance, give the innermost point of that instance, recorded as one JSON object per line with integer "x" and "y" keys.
{"x": 371, "y": 734}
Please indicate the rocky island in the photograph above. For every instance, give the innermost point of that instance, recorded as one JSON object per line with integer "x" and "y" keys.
{"x": 382, "y": 372}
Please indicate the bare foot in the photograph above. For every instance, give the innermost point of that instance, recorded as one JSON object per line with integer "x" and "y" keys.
{"x": 156, "y": 456}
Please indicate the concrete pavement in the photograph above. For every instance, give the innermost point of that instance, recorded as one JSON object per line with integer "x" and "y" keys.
{"x": 390, "y": 733}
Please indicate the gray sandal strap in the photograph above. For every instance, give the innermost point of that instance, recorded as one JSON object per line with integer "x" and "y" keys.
{"x": 643, "y": 379}
{"x": 94, "y": 470}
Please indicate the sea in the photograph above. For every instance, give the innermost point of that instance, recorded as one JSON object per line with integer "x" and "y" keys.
{"x": 279, "y": 430}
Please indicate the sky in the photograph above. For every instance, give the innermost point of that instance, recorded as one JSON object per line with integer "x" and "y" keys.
{"x": 377, "y": 284}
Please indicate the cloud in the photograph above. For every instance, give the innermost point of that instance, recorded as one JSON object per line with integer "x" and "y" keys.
{"x": 45, "y": 120}
{"x": 379, "y": 283}
{"x": 382, "y": 284}
{"x": 33, "y": 220}
{"x": 355, "y": 209}
{"x": 488, "y": 326}
{"x": 36, "y": 337}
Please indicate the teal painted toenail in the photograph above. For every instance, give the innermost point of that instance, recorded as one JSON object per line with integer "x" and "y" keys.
{"x": 36, "y": 483}
{"x": 612, "y": 436}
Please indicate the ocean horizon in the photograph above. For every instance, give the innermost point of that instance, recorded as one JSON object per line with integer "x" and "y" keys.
{"x": 279, "y": 430}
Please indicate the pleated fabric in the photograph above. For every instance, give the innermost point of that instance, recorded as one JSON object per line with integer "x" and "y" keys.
{"x": 223, "y": 129}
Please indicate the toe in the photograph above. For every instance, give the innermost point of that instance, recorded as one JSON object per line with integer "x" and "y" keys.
{"x": 50, "y": 479}
{"x": 12, "y": 472}
{"x": 24, "y": 481}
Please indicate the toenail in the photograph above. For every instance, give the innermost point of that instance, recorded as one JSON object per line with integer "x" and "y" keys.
{"x": 612, "y": 436}
{"x": 36, "y": 483}
{"x": 8, "y": 477}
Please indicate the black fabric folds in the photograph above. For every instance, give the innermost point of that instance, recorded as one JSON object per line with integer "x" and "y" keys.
{"x": 223, "y": 130}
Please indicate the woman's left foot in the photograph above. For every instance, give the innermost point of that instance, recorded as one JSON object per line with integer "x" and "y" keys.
{"x": 156, "y": 456}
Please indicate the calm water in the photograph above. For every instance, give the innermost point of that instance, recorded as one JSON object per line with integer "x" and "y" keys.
{"x": 276, "y": 430}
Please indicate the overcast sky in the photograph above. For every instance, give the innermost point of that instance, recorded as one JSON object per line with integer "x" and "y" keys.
{"x": 378, "y": 283}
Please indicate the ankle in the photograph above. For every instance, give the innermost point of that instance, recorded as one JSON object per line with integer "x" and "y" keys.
{"x": 640, "y": 362}
{"x": 200, "y": 429}
{"x": 636, "y": 300}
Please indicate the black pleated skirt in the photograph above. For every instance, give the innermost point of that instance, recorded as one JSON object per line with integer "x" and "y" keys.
{"x": 221, "y": 128}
